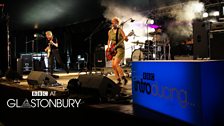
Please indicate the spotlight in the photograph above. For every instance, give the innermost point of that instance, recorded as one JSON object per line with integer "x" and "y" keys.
{"x": 151, "y": 21}
{"x": 35, "y": 35}
{"x": 216, "y": 13}
{"x": 205, "y": 15}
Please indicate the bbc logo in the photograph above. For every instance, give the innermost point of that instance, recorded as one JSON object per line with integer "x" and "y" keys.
{"x": 39, "y": 93}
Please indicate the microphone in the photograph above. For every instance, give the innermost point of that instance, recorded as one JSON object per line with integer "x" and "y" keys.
{"x": 132, "y": 20}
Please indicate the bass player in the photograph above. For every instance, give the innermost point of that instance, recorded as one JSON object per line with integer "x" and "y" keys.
{"x": 115, "y": 35}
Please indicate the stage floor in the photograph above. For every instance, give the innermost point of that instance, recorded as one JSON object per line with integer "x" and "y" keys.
{"x": 113, "y": 112}
{"x": 62, "y": 80}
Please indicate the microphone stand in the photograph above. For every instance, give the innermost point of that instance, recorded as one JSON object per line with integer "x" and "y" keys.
{"x": 122, "y": 24}
{"x": 90, "y": 44}
{"x": 31, "y": 41}
{"x": 147, "y": 31}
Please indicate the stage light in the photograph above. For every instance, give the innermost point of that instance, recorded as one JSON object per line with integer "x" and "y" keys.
{"x": 216, "y": 13}
{"x": 36, "y": 26}
{"x": 35, "y": 35}
{"x": 152, "y": 30}
{"x": 151, "y": 21}
{"x": 205, "y": 15}
{"x": 153, "y": 26}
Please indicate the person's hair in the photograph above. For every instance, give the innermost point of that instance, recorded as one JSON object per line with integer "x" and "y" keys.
{"x": 49, "y": 32}
{"x": 116, "y": 19}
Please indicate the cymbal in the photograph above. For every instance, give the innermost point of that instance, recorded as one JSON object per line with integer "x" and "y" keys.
{"x": 154, "y": 33}
{"x": 137, "y": 43}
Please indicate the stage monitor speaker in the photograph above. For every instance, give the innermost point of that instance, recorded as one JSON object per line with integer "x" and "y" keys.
{"x": 100, "y": 60}
{"x": 217, "y": 45}
{"x": 200, "y": 40}
{"x": 38, "y": 78}
{"x": 98, "y": 85}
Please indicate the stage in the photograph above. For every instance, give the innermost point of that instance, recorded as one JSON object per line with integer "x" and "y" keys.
{"x": 93, "y": 110}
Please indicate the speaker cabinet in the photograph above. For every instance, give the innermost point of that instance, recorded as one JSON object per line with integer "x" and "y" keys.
{"x": 19, "y": 66}
{"x": 100, "y": 60}
{"x": 98, "y": 85}
{"x": 217, "y": 45}
{"x": 38, "y": 78}
{"x": 27, "y": 62}
{"x": 200, "y": 40}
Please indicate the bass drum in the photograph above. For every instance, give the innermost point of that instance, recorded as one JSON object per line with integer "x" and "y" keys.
{"x": 137, "y": 55}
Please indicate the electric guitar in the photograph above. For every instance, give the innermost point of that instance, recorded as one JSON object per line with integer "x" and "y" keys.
{"x": 110, "y": 52}
{"x": 48, "y": 49}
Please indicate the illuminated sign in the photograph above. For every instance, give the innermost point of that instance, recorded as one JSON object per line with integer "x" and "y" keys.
{"x": 174, "y": 88}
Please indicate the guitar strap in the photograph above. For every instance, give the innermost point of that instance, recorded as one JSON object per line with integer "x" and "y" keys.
{"x": 117, "y": 35}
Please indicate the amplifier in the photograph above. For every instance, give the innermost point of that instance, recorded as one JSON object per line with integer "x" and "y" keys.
{"x": 217, "y": 26}
{"x": 27, "y": 62}
{"x": 33, "y": 61}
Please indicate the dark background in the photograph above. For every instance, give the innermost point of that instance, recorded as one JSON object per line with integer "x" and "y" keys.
{"x": 76, "y": 23}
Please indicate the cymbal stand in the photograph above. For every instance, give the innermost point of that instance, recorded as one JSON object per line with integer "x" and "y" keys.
{"x": 147, "y": 38}
{"x": 140, "y": 56}
{"x": 155, "y": 48}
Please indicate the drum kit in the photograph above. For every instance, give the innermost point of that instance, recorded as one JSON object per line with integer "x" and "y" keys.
{"x": 151, "y": 50}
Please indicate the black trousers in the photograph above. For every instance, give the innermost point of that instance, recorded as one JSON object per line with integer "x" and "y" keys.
{"x": 55, "y": 53}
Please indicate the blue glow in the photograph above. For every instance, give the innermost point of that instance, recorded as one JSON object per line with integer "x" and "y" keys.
{"x": 172, "y": 88}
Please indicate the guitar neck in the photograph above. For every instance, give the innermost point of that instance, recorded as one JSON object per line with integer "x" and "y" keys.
{"x": 118, "y": 43}
{"x": 122, "y": 40}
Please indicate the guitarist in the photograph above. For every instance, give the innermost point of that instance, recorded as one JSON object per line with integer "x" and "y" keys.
{"x": 52, "y": 50}
{"x": 115, "y": 35}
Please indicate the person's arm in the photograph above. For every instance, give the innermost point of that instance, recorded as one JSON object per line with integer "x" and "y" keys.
{"x": 46, "y": 49}
{"x": 54, "y": 43}
{"x": 108, "y": 41}
{"x": 123, "y": 35}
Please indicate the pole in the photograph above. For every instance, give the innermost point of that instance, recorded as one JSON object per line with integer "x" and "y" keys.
{"x": 8, "y": 42}
{"x": 90, "y": 52}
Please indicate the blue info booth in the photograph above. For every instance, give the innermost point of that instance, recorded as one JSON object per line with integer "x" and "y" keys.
{"x": 191, "y": 91}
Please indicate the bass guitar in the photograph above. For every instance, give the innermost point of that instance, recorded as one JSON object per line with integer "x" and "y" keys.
{"x": 110, "y": 52}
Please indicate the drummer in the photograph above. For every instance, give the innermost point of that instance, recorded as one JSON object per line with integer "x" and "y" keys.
{"x": 160, "y": 37}
{"x": 162, "y": 42}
